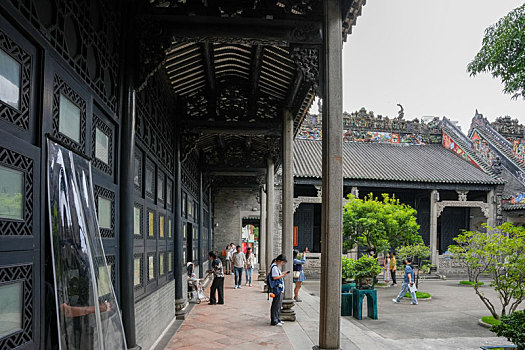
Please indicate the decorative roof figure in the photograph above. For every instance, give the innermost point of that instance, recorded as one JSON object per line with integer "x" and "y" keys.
{"x": 496, "y": 166}
{"x": 401, "y": 113}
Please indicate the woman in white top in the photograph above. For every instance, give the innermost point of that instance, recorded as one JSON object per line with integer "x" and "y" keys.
{"x": 250, "y": 264}
{"x": 386, "y": 264}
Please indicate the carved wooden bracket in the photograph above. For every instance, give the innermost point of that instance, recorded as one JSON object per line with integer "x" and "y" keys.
{"x": 464, "y": 204}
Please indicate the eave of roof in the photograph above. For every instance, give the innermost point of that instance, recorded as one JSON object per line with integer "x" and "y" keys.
{"x": 387, "y": 162}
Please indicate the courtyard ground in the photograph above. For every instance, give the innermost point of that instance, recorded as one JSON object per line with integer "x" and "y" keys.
{"x": 448, "y": 321}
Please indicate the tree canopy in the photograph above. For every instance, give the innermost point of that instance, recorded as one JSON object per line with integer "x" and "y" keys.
{"x": 379, "y": 224}
{"x": 503, "y": 53}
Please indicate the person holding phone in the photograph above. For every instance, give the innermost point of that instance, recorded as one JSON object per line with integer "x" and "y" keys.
{"x": 298, "y": 273}
{"x": 278, "y": 278}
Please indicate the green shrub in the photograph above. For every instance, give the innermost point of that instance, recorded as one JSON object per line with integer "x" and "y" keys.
{"x": 419, "y": 295}
{"x": 470, "y": 283}
{"x": 512, "y": 327}
{"x": 490, "y": 320}
{"x": 348, "y": 268}
{"x": 366, "y": 266}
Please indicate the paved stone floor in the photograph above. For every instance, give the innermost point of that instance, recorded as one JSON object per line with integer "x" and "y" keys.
{"x": 243, "y": 322}
{"x": 448, "y": 321}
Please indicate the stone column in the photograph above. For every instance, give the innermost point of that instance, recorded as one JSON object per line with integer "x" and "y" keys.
{"x": 491, "y": 201}
{"x": 434, "y": 198}
{"x": 288, "y": 314}
{"x": 332, "y": 207}
{"x": 269, "y": 211}
{"x": 262, "y": 237}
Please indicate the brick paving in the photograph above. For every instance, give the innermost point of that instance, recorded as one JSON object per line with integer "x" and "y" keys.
{"x": 243, "y": 322}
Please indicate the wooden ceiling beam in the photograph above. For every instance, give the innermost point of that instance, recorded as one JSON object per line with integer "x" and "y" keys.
{"x": 209, "y": 68}
{"x": 262, "y": 128}
{"x": 237, "y": 29}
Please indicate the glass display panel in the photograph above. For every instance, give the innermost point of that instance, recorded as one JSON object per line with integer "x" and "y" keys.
{"x": 151, "y": 224}
{"x": 169, "y": 192}
{"x": 104, "y": 280}
{"x": 11, "y": 308}
{"x": 11, "y": 194}
{"x": 137, "y": 168}
{"x": 149, "y": 181}
{"x": 184, "y": 201}
{"x": 136, "y": 221}
{"x": 190, "y": 209}
{"x": 161, "y": 264}
{"x": 101, "y": 146}
{"x": 69, "y": 119}
{"x": 136, "y": 272}
{"x": 170, "y": 262}
{"x": 86, "y": 305}
{"x": 151, "y": 267}
{"x": 160, "y": 187}
{"x": 170, "y": 232}
{"x": 184, "y": 231}
{"x": 9, "y": 80}
{"x": 161, "y": 226}
{"x": 104, "y": 212}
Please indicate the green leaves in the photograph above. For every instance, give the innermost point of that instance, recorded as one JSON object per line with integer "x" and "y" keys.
{"x": 503, "y": 53}
{"x": 366, "y": 266}
{"x": 499, "y": 253}
{"x": 348, "y": 270}
{"x": 379, "y": 225}
{"x": 512, "y": 327}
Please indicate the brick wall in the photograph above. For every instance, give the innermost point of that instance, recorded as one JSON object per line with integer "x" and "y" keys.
{"x": 230, "y": 206}
{"x": 153, "y": 314}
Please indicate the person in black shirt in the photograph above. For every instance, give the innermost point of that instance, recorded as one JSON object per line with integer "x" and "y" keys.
{"x": 218, "y": 280}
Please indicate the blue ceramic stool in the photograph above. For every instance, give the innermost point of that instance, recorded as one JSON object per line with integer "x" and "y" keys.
{"x": 347, "y": 287}
{"x": 371, "y": 301}
{"x": 346, "y": 304}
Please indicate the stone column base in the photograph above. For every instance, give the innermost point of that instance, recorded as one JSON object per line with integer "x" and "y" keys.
{"x": 262, "y": 275}
{"x": 181, "y": 308}
{"x": 287, "y": 312}
{"x": 316, "y": 347}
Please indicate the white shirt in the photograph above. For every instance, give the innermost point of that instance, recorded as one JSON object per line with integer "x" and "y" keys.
{"x": 276, "y": 272}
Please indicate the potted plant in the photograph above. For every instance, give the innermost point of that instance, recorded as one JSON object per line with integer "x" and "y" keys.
{"x": 366, "y": 268}
{"x": 512, "y": 327}
{"x": 347, "y": 274}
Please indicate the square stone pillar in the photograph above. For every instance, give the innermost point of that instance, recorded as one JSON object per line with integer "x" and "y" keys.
{"x": 270, "y": 199}
{"x": 262, "y": 237}
{"x": 288, "y": 314}
{"x": 332, "y": 207}
{"x": 434, "y": 252}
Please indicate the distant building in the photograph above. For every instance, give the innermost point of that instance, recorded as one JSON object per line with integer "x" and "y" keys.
{"x": 454, "y": 181}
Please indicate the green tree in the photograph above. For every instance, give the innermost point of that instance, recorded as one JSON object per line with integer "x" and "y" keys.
{"x": 503, "y": 53}
{"x": 500, "y": 254}
{"x": 419, "y": 254}
{"x": 378, "y": 225}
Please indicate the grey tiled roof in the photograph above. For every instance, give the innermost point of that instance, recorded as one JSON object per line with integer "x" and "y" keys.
{"x": 388, "y": 162}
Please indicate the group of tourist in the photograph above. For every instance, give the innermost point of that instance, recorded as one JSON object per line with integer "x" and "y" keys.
{"x": 235, "y": 258}
{"x": 390, "y": 268}
{"x": 240, "y": 262}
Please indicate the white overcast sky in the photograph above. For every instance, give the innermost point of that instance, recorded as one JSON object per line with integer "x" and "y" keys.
{"x": 415, "y": 52}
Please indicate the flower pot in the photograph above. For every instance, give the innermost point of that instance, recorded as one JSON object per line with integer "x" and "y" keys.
{"x": 365, "y": 283}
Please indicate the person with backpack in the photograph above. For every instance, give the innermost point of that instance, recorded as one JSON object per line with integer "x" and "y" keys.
{"x": 275, "y": 280}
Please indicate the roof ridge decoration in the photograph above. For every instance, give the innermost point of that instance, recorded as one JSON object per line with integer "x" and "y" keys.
{"x": 481, "y": 131}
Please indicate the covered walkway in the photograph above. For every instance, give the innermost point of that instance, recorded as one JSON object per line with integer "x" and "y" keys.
{"x": 241, "y": 323}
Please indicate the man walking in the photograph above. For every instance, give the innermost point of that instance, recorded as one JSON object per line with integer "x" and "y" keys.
{"x": 218, "y": 280}
{"x": 408, "y": 283}
{"x": 239, "y": 263}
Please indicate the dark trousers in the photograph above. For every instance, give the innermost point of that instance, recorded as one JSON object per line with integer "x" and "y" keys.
{"x": 217, "y": 285}
{"x": 275, "y": 311}
{"x": 238, "y": 275}
{"x": 393, "y": 274}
